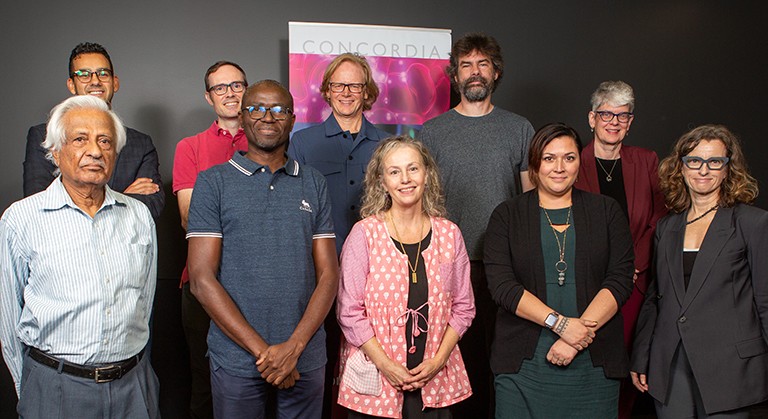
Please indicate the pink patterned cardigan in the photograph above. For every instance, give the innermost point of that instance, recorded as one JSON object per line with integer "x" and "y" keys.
{"x": 373, "y": 293}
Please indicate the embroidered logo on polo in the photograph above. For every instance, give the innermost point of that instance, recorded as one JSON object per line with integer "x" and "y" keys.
{"x": 305, "y": 206}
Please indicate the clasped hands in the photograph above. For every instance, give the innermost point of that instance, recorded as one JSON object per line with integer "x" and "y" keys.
{"x": 277, "y": 364}
{"x": 403, "y": 379}
{"x": 574, "y": 337}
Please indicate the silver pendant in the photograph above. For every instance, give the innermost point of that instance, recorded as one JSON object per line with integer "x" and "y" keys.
{"x": 609, "y": 178}
{"x": 561, "y": 266}
{"x": 561, "y": 278}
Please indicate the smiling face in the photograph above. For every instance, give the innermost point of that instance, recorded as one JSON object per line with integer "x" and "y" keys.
{"x": 559, "y": 167}
{"x": 267, "y": 134}
{"x": 403, "y": 177}
{"x": 226, "y": 106}
{"x": 613, "y": 131}
{"x": 104, "y": 90}
{"x": 704, "y": 182}
{"x": 88, "y": 154}
{"x": 347, "y": 104}
{"x": 475, "y": 76}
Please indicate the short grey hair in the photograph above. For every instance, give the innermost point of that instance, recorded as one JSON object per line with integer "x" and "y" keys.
{"x": 615, "y": 93}
{"x": 56, "y": 132}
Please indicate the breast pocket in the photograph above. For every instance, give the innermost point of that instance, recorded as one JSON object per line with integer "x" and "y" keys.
{"x": 327, "y": 168}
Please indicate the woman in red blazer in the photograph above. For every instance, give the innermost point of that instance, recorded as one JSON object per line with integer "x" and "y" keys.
{"x": 630, "y": 176}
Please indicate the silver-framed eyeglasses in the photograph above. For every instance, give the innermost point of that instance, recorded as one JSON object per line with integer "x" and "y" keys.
{"x": 713, "y": 163}
{"x": 353, "y": 87}
{"x": 84, "y": 75}
{"x": 221, "y": 89}
{"x": 279, "y": 113}
{"x": 607, "y": 116}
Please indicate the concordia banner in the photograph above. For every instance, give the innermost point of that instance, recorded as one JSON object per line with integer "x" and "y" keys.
{"x": 408, "y": 66}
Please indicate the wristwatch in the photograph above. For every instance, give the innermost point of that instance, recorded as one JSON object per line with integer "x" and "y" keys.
{"x": 551, "y": 319}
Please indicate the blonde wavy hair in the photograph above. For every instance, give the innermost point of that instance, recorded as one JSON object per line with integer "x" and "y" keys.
{"x": 737, "y": 187}
{"x": 376, "y": 200}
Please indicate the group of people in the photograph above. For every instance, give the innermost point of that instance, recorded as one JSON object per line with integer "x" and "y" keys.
{"x": 451, "y": 297}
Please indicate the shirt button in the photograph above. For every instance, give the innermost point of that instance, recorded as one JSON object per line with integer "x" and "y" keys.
{"x": 102, "y": 253}
{"x": 271, "y": 187}
{"x": 344, "y": 135}
{"x": 262, "y": 170}
{"x": 109, "y": 312}
{"x": 352, "y": 207}
{"x": 351, "y": 158}
{"x": 351, "y": 182}
{"x": 682, "y": 319}
{"x": 106, "y": 341}
{"x": 106, "y": 280}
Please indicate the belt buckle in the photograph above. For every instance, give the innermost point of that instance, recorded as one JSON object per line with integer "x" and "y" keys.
{"x": 108, "y": 371}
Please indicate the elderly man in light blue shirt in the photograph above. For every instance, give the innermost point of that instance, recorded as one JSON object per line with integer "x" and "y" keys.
{"x": 77, "y": 279}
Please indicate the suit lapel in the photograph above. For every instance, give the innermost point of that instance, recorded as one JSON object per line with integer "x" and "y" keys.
{"x": 534, "y": 239}
{"x": 674, "y": 256}
{"x": 588, "y": 170}
{"x": 628, "y": 172}
{"x": 713, "y": 243}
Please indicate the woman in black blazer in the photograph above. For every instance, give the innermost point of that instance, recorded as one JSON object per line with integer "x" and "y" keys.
{"x": 559, "y": 264}
{"x": 701, "y": 345}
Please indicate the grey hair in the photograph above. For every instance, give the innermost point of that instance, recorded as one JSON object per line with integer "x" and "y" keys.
{"x": 615, "y": 93}
{"x": 56, "y": 132}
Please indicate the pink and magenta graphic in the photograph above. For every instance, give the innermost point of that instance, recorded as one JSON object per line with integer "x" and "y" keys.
{"x": 413, "y": 90}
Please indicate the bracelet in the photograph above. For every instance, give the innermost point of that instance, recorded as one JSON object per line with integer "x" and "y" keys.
{"x": 560, "y": 328}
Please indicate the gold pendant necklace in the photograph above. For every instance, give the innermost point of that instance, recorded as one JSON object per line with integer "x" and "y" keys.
{"x": 412, "y": 267}
{"x": 560, "y": 266}
{"x": 608, "y": 175}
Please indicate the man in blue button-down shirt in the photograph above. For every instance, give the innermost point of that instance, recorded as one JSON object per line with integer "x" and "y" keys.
{"x": 77, "y": 278}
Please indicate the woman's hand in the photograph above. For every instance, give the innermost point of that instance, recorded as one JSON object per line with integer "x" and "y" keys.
{"x": 640, "y": 381}
{"x": 561, "y": 353}
{"x": 576, "y": 332}
{"x": 397, "y": 375}
{"x": 423, "y": 373}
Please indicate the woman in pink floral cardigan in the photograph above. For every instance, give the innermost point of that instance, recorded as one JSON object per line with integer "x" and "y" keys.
{"x": 405, "y": 298}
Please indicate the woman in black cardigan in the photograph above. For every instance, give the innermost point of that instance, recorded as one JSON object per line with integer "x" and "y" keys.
{"x": 559, "y": 263}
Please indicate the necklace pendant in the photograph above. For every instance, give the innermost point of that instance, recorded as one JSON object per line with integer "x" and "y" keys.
{"x": 609, "y": 178}
{"x": 413, "y": 277}
{"x": 561, "y": 278}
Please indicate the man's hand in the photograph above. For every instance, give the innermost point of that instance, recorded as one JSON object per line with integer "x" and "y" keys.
{"x": 278, "y": 362}
{"x": 142, "y": 186}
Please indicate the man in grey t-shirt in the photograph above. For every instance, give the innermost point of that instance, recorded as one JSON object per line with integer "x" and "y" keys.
{"x": 482, "y": 153}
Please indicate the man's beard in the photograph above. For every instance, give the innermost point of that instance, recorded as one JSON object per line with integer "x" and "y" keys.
{"x": 476, "y": 93}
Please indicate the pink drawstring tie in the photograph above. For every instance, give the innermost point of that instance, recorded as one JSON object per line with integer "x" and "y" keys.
{"x": 416, "y": 330}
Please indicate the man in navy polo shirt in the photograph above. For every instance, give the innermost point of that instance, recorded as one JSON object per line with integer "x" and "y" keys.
{"x": 262, "y": 262}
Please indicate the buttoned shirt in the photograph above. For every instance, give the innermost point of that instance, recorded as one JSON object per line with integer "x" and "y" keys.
{"x": 342, "y": 160}
{"x": 77, "y": 287}
{"x": 267, "y": 223}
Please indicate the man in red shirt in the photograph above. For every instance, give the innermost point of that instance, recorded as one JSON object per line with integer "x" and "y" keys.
{"x": 225, "y": 83}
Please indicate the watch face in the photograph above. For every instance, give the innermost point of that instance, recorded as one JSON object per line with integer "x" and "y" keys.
{"x": 551, "y": 320}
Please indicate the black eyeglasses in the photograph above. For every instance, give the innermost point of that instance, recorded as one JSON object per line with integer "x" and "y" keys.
{"x": 353, "y": 87}
{"x": 84, "y": 75}
{"x": 713, "y": 163}
{"x": 221, "y": 89}
{"x": 607, "y": 116}
{"x": 279, "y": 113}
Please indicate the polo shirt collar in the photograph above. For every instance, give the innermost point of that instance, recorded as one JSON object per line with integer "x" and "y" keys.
{"x": 332, "y": 127}
{"x": 248, "y": 167}
{"x": 56, "y": 197}
{"x": 221, "y": 132}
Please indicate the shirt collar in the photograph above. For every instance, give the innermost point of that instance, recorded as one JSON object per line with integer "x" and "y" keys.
{"x": 221, "y": 132}
{"x": 248, "y": 167}
{"x": 56, "y": 197}
{"x": 332, "y": 127}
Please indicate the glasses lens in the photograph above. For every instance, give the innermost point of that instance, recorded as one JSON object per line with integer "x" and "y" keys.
{"x": 693, "y": 163}
{"x": 606, "y": 116}
{"x": 103, "y": 74}
{"x": 237, "y": 86}
{"x": 715, "y": 163}
{"x": 355, "y": 87}
{"x": 337, "y": 87}
{"x": 624, "y": 117}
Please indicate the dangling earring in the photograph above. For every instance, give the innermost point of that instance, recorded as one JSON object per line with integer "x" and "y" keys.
{"x": 591, "y": 129}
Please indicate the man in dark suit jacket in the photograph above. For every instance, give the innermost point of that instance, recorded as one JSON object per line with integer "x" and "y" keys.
{"x": 136, "y": 172}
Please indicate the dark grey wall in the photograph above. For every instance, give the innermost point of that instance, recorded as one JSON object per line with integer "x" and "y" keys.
{"x": 690, "y": 62}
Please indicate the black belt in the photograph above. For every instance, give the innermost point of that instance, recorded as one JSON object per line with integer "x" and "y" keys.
{"x": 103, "y": 374}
